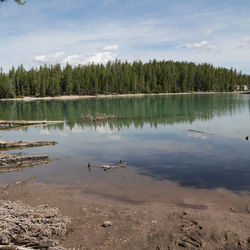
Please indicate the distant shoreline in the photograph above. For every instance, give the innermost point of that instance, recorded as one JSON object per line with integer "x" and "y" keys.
{"x": 75, "y": 97}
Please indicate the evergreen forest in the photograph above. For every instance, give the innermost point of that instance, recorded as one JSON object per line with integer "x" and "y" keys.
{"x": 119, "y": 78}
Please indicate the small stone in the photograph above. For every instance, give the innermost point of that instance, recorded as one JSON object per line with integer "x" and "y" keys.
{"x": 107, "y": 223}
{"x": 154, "y": 222}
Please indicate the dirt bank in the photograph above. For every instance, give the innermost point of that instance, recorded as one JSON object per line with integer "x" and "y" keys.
{"x": 136, "y": 225}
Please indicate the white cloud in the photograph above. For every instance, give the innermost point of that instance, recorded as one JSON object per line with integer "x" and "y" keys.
{"x": 51, "y": 58}
{"x": 84, "y": 41}
{"x": 196, "y": 45}
{"x": 114, "y": 47}
{"x": 97, "y": 58}
{"x": 204, "y": 45}
{"x": 138, "y": 36}
{"x": 108, "y": 53}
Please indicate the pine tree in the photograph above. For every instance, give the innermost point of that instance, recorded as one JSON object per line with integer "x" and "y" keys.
{"x": 120, "y": 77}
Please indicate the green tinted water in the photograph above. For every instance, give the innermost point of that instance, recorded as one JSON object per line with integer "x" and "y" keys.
{"x": 154, "y": 138}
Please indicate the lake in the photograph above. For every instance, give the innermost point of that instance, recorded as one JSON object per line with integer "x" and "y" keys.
{"x": 166, "y": 161}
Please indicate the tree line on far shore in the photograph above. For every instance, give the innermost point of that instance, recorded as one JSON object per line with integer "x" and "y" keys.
{"x": 119, "y": 78}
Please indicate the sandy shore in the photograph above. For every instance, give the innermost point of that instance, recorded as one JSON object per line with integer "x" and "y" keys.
{"x": 75, "y": 97}
{"x": 135, "y": 225}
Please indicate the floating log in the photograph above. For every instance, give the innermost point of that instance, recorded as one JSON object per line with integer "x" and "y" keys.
{"x": 24, "y": 122}
{"x": 15, "y": 162}
{"x": 107, "y": 167}
{"x": 21, "y": 123}
{"x": 21, "y": 144}
{"x": 20, "y": 157}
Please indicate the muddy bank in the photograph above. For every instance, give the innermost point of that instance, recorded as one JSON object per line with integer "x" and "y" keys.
{"x": 135, "y": 225}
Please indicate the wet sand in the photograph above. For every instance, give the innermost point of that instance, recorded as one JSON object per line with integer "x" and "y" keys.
{"x": 137, "y": 224}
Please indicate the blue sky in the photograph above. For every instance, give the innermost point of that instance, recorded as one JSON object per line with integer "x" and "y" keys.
{"x": 83, "y": 31}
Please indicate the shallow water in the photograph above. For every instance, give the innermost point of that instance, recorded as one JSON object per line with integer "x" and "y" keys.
{"x": 163, "y": 155}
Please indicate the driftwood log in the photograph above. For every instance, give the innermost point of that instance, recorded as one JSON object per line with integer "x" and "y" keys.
{"x": 25, "y": 227}
{"x": 6, "y": 124}
{"x": 107, "y": 167}
{"x": 21, "y": 144}
{"x": 15, "y": 162}
{"x": 23, "y": 122}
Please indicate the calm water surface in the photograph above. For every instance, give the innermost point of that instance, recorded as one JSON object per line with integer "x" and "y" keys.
{"x": 154, "y": 139}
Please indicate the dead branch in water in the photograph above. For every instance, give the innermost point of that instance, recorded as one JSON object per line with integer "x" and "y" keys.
{"x": 107, "y": 167}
